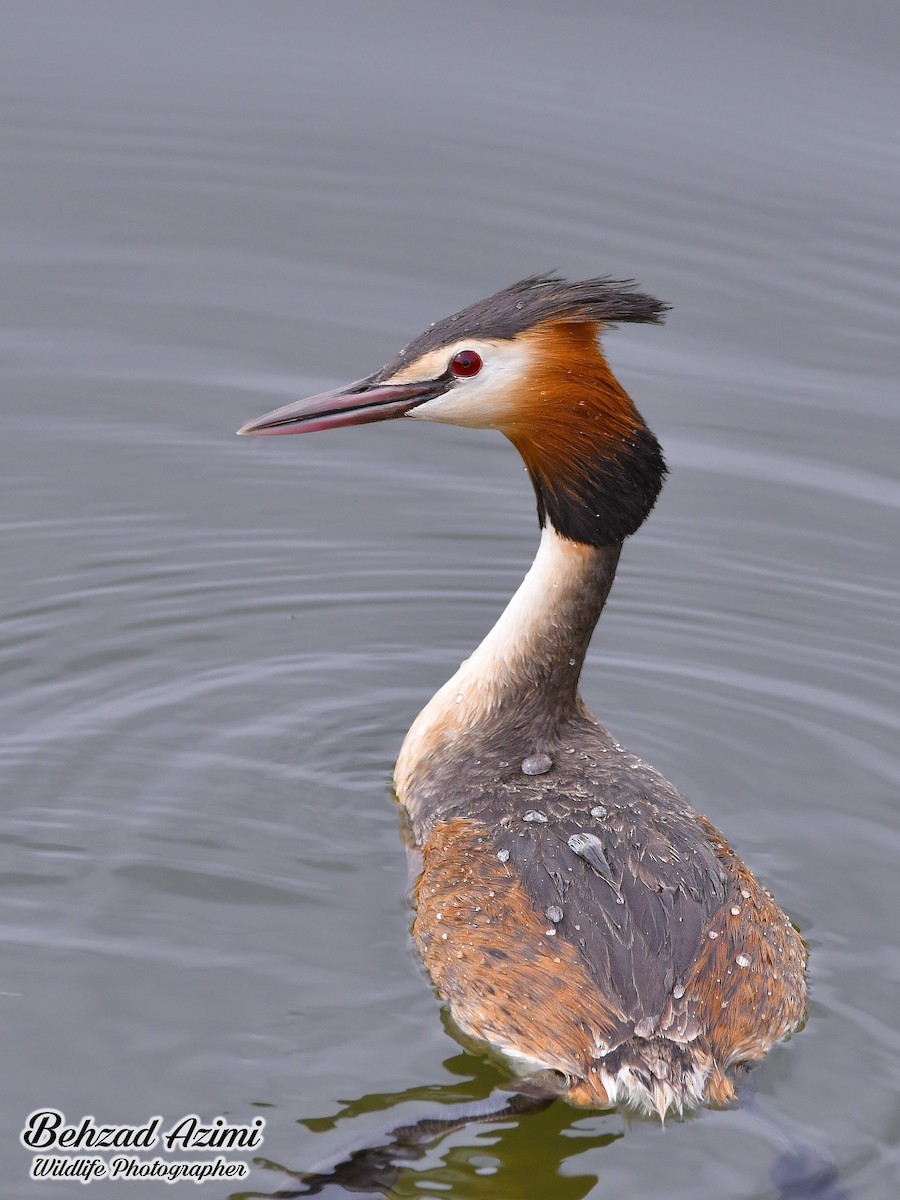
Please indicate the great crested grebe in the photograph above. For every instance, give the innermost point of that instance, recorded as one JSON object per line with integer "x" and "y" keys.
{"x": 572, "y": 910}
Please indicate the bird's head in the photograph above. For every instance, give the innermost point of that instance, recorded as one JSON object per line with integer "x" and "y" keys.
{"x": 526, "y": 361}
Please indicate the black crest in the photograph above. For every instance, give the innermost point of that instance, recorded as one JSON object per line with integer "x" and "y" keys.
{"x": 529, "y": 302}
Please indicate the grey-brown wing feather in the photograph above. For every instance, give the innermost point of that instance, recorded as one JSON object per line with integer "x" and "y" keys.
{"x": 636, "y": 889}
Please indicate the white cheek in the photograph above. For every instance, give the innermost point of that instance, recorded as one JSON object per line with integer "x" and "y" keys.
{"x": 488, "y": 398}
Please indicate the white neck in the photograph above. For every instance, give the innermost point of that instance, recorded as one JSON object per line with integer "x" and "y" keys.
{"x": 527, "y": 668}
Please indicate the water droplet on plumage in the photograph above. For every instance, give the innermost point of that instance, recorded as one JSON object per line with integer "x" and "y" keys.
{"x": 535, "y": 814}
{"x": 598, "y": 811}
{"x": 503, "y": 855}
{"x": 589, "y": 847}
{"x": 678, "y": 991}
{"x": 554, "y": 913}
{"x": 742, "y": 960}
{"x": 537, "y": 764}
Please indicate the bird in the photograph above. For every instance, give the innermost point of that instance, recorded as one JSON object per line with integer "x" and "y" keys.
{"x": 573, "y": 912}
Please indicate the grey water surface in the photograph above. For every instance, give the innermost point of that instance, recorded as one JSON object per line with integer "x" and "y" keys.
{"x": 210, "y": 649}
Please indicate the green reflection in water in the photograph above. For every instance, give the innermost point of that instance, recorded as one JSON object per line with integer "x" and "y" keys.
{"x": 520, "y": 1155}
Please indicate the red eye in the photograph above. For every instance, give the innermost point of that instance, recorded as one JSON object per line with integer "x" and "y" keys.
{"x": 466, "y": 363}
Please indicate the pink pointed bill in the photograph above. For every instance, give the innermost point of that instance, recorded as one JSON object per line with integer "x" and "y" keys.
{"x": 358, "y": 404}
